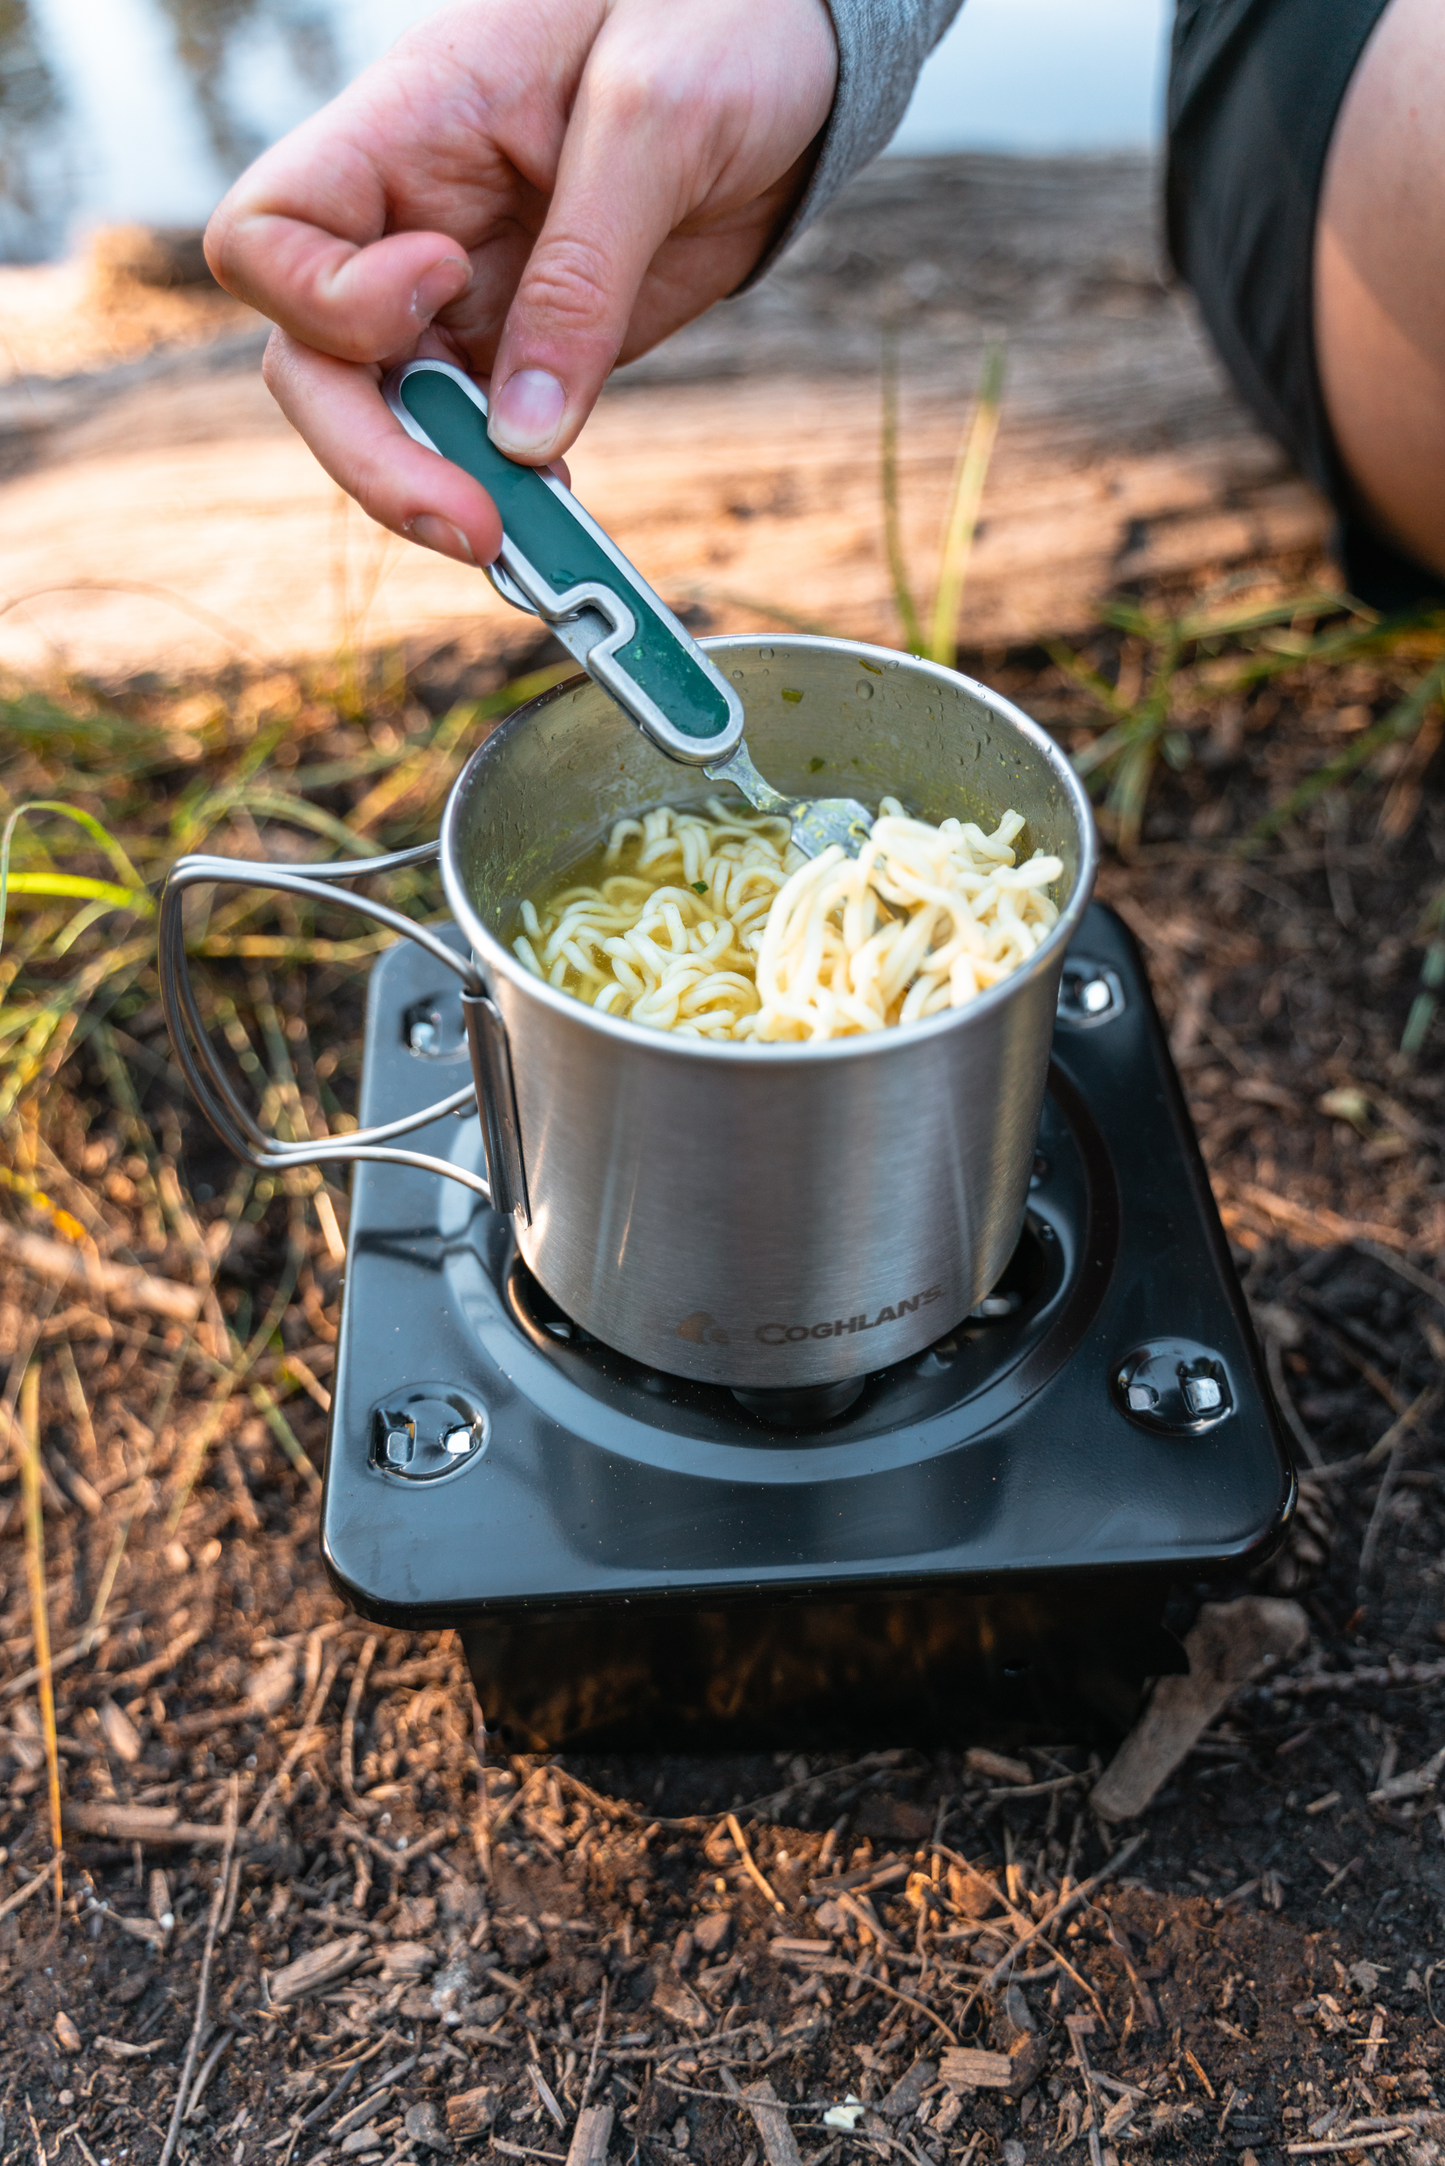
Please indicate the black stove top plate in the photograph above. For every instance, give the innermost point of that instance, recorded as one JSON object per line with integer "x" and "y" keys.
{"x": 1106, "y": 1419}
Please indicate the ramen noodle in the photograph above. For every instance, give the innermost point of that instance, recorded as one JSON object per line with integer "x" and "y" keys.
{"x": 710, "y": 924}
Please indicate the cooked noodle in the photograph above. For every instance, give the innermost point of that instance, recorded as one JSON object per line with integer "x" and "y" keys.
{"x": 710, "y": 924}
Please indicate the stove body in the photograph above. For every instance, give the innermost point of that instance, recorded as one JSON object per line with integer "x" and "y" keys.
{"x": 989, "y": 1534}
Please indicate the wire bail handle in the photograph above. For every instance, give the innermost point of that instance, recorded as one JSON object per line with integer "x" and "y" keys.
{"x": 489, "y": 1092}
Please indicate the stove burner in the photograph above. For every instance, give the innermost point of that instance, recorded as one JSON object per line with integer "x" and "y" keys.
{"x": 976, "y": 1353}
{"x": 985, "y": 1531}
{"x": 808, "y": 1406}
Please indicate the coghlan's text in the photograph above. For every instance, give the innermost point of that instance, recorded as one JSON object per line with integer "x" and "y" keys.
{"x": 781, "y": 1334}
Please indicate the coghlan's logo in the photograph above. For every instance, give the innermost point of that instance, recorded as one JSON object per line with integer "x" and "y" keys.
{"x": 781, "y": 1334}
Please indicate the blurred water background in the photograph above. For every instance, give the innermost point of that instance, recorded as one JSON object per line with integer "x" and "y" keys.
{"x": 143, "y": 110}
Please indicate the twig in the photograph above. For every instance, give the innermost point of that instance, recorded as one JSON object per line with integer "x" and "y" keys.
{"x": 40, "y": 2151}
{"x": 364, "y": 1660}
{"x": 1391, "y": 1447}
{"x": 1347, "y": 2143}
{"x": 596, "y": 2045}
{"x": 751, "y": 1867}
{"x": 218, "y": 1899}
{"x": 300, "y": 1742}
{"x": 122, "y": 1284}
{"x": 213, "y": 2061}
{"x": 1274, "y": 1362}
{"x": 1420, "y": 1280}
{"x": 835, "y": 1967}
{"x": 39, "y": 1611}
{"x": 1421, "y": 1406}
{"x": 1081, "y": 2057}
{"x": 507, "y": 1810}
{"x": 1061, "y": 1909}
{"x": 23, "y": 1895}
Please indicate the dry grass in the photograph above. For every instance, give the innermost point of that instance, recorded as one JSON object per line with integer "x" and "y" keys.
{"x": 1288, "y": 836}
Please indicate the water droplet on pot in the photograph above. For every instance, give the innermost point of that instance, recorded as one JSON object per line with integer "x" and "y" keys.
{"x": 865, "y": 691}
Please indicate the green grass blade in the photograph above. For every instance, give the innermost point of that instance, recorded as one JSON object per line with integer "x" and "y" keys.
{"x": 1402, "y": 721}
{"x": 21, "y": 883}
{"x": 79, "y": 886}
{"x": 278, "y": 805}
{"x": 961, "y": 524}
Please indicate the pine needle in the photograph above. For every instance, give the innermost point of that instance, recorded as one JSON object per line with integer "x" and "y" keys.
{"x": 39, "y": 1612}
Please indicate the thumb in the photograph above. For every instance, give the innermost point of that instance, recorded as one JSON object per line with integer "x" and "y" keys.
{"x": 616, "y": 201}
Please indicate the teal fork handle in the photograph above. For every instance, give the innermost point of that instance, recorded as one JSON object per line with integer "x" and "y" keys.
{"x": 557, "y": 562}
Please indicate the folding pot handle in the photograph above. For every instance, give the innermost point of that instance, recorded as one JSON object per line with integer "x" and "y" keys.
{"x": 504, "y": 1190}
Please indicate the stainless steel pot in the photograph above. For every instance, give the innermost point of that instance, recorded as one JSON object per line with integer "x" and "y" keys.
{"x": 760, "y": 1216}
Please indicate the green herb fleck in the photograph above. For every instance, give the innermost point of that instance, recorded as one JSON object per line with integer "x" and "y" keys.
{"x": 699, "y": 887}
{"x": 791, "y": 697}
{"x": 872, "y": 668}
{"x": 815, "y": 767}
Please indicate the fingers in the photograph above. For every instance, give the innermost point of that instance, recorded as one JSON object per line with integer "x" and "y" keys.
{"x": 359, "y": 304}
{"x": 620, "y": 190}
{"x": 681, "y": 115}
{"x": 339, "y": 410}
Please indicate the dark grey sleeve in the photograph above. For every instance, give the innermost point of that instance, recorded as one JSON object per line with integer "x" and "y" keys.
{"x": 882, "y": 45}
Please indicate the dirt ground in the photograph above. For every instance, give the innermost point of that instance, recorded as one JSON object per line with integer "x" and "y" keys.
{"x": 304, "y": 1900}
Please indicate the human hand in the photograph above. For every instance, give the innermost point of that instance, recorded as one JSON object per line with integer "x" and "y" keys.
{"x": 533, "y": 189}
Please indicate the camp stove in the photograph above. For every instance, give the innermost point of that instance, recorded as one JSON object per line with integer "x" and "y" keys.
{"x": 996, "y": 1531}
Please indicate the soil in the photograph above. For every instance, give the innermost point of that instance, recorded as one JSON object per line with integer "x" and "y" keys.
{"x": 1253, "y": 1979}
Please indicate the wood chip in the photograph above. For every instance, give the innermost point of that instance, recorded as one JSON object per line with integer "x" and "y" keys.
{"x": 407, "y": 1959}
{"x": 908, "y": 2090}
{"x": 471, "y": 2113}
{"x": 317, "y": 1969}
{"x": 1230, "y": 1644}
{"x": 966, "y": 2068}
{"x": 979, "y": 1761}
{"x": 158, "y": 1825}
{"x": 1415, "y": 1783}
{"x": 679, "y": 2003}
{"x": 120, "y": 1733}
{"x": 761, "y": 2100}
{"x": 121, "y": 2049}
{"x": 590, "y": 2137}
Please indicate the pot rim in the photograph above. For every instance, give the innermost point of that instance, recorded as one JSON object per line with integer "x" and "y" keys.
{"x": 499, "y": 959}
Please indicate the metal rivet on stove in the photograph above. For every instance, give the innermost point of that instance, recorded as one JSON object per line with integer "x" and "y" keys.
{"x": 427, "y": 1431}
{"x": 1175, "y": 1386}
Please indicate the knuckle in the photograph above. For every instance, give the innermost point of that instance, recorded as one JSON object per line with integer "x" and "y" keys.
{"x": 374, "y": 491}
{"x": 569, "y": 282}
{"x": 275, "y": 363}
{"x": 223, "y": 248}
{"x": 632, "y": 88}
